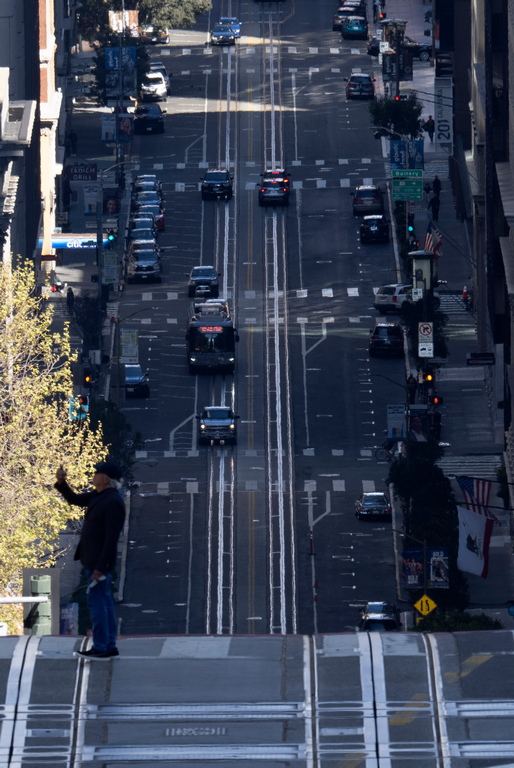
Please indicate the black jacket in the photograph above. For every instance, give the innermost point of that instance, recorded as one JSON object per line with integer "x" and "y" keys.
{"x": 102, "y": 526}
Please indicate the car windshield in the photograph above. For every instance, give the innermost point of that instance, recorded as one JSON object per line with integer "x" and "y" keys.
{"x": 213, "y": 342}
{"x": 360, "y": 79}
{"x": 217, "y": 413}
{"x": 374, "y": 501}
{"x": 221, "y": 29}
{"x": 216, "y": 176}
{"x": 153, "y": 209}
{"x": 367, "y": 193}
{"x": 143, "y": 234}
{"x": 272, "y": 183}
{"x": 203, "y": 272}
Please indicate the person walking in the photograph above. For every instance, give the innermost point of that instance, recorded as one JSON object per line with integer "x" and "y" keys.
{"x": 429, "y": 127}
{"x": 437, "y": 186}
{"x": 434, "y": 205}
{"x": 97, "y": 550}
{"x": 70, "y": 300}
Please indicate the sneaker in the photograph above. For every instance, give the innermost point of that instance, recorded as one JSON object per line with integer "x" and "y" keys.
{"x": 113, "y": 652}
{"x": 96, "y": 655}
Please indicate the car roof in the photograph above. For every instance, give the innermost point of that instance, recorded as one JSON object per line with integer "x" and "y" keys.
{"x": 373, "y": 216}
{"x": 227, "y": 19}
{"x": 367, "y": 186}
{"x": 217, "y": 170}
{"x": 367, "y": 494}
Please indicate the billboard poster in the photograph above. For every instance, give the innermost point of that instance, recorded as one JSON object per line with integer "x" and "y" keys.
{"x": 125, "y": 128}
{"x": 407, "y": 154}
{"x": 396, "y": 429}
{"x": 437, "y": 568}
{"x": 109, "y": 127}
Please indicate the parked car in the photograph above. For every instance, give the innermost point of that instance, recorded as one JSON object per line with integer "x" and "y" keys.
{"x": 339, "y": 15}
{"x": 374, "y": 229}
{"x": 153, "y": 87}
{"x": 146, "y": 235}
{"x": 368, "y": 198}
{"x": 154, "y": 210}
{"x": 147, "y": 186}
{"x": 144, "y": 266}
{"x": 143, "y": 224}
{"x": 275, "y": 187}
{"x": 217, "y": 184}
{"x": 354, "y": 28}
{"x": 233, "y": 23}
{"x": 148, "y": 197}
{"x": 222, "y": 34}
{"x": 386, "y": 339}
{"x": 154, "y": 36}
{"x": 144, "y": 178}
{"x": 373, "y": 506}
{"x": 360, "y": 86}
{"x": 149, "y": 118}
{"x": 217, "y": 425}
{"x": 379, "y": 617}
{"x": 395, "y": 297}
{"x": 203, "y": 281}
{"x": 135, "y": 382}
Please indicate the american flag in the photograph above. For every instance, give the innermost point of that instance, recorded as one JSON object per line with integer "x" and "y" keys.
{"x": 433, "y": 240}
{"x": 476, "y": 494}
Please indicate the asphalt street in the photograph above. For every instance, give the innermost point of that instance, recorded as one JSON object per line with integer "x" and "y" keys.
{"x": 279, "y": 506}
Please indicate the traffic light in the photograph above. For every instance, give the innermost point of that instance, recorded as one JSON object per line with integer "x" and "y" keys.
{"x": 87, "y": 377}
{"x": 111, "y": 239}
{"x": 410, "y": 222}
{"x": 437, "y": 400}
{"x": 428, "y": 375}
{"x": 397, "y": 98}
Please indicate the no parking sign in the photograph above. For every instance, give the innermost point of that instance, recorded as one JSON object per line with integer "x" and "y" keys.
{"x": 425, "y": 339}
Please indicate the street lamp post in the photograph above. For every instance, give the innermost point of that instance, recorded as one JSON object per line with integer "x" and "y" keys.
{"x": 396, "y": 31}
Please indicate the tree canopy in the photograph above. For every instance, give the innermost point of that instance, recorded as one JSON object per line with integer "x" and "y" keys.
{"x": 93, "y": 16}
{"x": 36, "y": 434}
{"x": 401, "y": 118}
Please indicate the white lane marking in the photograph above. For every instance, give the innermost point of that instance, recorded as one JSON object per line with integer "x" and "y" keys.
{"x": 327, "y": 293}
{"x": 352, "y": 291}
{"x": 368, "y": 486}
{"x": 338, "y": 485}
{"x": 344, "y": 182}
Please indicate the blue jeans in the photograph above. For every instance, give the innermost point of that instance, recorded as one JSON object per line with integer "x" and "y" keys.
{"x": 101, "y": 610}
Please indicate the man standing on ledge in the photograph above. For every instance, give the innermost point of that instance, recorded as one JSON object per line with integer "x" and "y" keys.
{"x": 97, "y": 549}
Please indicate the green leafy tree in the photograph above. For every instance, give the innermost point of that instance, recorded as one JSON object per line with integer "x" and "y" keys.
{"x": 400, "y": 118}
{"x": 36, "y": 435}
{"x": 430, "y": 514}
{"x": 93, "y": 15}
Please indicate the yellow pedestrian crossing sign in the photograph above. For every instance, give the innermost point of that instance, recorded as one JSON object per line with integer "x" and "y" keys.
{"x": 425, "y": 605}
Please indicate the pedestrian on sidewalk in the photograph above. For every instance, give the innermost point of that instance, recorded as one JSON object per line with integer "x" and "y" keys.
{"x": 436, "y": 185}
{"x": 70, "y": 299}
{"x": 412, "y": 388}
{"x": 429, "y": 127}
{"x": 434, "y": 205}
{"x": 97, "y": 550}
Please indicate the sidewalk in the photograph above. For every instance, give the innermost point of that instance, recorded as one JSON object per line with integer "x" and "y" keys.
{"x": 471, "y": 422}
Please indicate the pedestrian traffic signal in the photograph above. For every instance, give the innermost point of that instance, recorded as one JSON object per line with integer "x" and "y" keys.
{"x": 397, "y": 98}
{"x": 111, "y": 238}
{"x": 88, "y": 377}
{"x": 437, "y": 400}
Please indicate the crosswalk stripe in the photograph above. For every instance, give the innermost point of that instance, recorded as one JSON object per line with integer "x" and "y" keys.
{"x": 479, "y": 465}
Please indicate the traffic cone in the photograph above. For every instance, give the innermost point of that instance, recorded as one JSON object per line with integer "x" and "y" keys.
{"x": 465, "y": 295}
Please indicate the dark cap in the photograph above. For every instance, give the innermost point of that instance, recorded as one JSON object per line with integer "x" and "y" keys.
{"x": 109, "y": 468}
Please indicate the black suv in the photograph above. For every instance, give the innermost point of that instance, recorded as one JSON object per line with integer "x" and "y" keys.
{"x": 203, "y": 281}
{"x": 149, "y": 118}
{"x": 217, "y": 184}
{"x": 386, "y": 339}
{"x": 374, "y": 229}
